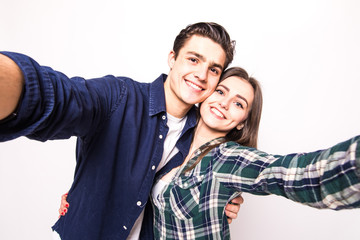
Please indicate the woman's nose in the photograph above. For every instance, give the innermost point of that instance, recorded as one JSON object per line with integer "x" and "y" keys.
{"x": 224, "y": 105}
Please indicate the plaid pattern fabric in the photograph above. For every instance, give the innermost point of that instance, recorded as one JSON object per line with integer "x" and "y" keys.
{"x": 192, "y": 205}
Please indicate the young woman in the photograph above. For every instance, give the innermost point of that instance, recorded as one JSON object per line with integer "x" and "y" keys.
{"x": 189, "y": 202}
{"x": 223, "y": 161}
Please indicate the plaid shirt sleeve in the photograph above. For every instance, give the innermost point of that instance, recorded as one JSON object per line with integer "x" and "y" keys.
{"x": 192, "y": 205}
{"x": 328, "y": 178}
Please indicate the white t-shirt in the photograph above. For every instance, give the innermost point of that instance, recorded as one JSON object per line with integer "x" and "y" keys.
{"x": 176, "y": 126}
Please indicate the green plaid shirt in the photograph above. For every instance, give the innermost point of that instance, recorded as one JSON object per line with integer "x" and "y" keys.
{"x": 192, "y": 205}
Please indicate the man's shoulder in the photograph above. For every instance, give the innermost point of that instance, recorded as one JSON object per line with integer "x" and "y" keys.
{"x": 131, "y": 82}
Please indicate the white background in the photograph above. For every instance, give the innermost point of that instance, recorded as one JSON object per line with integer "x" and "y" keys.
{"x": 305, "y": 54}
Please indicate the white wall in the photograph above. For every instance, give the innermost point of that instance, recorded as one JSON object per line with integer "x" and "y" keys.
{"x": 305, "y": 54}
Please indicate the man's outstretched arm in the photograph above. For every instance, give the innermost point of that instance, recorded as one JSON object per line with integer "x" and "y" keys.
{"x": 11, "y": 85}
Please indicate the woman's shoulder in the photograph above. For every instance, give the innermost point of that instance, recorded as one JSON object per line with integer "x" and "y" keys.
{"x": 228, "y": 150}
{"x": 234, "y": 146}
{"x": 232, "y": 149}
{"x": 235, "y": 151}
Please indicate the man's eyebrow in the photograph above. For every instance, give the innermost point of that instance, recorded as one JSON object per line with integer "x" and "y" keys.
{"x": 202, "y": 58}
{"x": 237, "y": 95}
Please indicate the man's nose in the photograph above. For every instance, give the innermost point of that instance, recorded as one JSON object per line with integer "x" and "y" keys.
{"x": 202, "y": 73}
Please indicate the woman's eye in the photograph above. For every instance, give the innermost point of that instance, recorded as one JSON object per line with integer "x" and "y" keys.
{"x": 239, "y": 105}
{"x": 219, "y": 91}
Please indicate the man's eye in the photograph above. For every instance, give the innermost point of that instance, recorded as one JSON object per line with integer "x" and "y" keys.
{"x": 214, "y": 70}
{"x": 194, "y": 60}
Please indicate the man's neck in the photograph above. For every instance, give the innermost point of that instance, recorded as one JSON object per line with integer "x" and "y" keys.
{"x": 175, "y": 106}
{"x": 177, "y": 110}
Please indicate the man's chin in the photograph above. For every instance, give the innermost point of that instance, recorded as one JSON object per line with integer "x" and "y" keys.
{"x": 193, "y": 101}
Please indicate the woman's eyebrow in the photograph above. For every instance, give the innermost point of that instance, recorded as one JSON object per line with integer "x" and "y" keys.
{"x": 241, "y": 97}
{"x": 226, "y": 88}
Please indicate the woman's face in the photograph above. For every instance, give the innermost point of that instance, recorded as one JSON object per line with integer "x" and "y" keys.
{"x": 229, "y": 106}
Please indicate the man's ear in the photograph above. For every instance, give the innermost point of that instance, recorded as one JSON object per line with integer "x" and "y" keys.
{"x": 240, "y": 126}
{"x": 171, "y": 59}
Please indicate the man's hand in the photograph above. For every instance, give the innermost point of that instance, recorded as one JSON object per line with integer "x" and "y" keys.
{"x": 232, "y": 208}
{"x": 64, "y": 205}
{"x": 11, "y": 85}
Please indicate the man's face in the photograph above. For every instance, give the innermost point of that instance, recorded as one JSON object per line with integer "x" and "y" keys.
{"x": 195, "y": 72}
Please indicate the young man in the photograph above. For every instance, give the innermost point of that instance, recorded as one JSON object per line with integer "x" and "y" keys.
{"x": 127, "y": 131}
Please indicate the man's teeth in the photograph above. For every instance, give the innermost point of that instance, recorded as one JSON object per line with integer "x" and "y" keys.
{"x": 194, "y": 86}
{"x": 217, "y": 112}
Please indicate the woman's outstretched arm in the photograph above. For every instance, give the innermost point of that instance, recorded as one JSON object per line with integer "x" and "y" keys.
{"x": 328, "y": 178}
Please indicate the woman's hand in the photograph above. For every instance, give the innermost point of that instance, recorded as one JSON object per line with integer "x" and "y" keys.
{"x": 64, "y": 205}
{"x": 232, "y": 208}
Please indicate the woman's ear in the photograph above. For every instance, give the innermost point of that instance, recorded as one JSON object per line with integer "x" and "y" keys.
{"x": 171, "y": 59}
{"x": 240, "y": 126}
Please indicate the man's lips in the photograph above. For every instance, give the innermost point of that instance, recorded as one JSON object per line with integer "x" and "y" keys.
{"x": 193, "y": 85}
